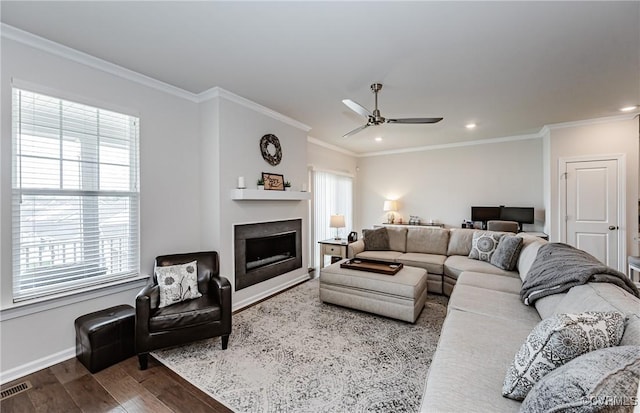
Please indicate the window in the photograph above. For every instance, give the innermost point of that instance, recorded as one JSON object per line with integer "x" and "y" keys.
{"x": 74, "y": 196}
{"x": 332, "y": 195}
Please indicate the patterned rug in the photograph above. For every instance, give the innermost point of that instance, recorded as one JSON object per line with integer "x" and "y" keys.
{"x": 292, "y": 353}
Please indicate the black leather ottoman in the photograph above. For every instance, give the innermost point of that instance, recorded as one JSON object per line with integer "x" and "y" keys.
{"x": 105, "y": 337}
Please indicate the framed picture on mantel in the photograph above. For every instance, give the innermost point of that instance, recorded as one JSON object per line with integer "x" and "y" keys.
{"x": 273, "y": 182}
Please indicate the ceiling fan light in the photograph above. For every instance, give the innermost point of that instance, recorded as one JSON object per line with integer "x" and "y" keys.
{"x": 470, "y": 126}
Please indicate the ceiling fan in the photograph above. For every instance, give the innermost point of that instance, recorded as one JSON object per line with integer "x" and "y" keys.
{"x": 375, "y": 118}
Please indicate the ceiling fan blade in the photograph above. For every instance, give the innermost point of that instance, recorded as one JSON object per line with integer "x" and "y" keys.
{"x": 356, "y": 130}
{"x": 415, "y": 120}
{"x": 356, "y": 107}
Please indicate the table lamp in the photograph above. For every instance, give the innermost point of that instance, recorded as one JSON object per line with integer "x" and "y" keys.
{"x": 390, "y": 207}
{"x": 337, "y": 221}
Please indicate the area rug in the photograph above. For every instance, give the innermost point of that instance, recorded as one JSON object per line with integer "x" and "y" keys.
{"x": 292, "y": 353}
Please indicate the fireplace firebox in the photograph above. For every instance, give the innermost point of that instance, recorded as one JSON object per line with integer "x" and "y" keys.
{"x": 266, "y": 250}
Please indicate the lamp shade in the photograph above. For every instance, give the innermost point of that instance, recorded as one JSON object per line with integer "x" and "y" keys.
{"x": 390, "y": 206}
{"x": 337, "y": 221}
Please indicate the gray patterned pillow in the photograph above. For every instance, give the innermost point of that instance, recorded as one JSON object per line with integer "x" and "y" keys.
{"x": 557, "y": 340}
{"x": 177, "y": 283}
{"x": 376, "y": 239}
{"x": 483, "y": 245}
{"x": 507, "y": 252}
{"x": 596, "y": 381}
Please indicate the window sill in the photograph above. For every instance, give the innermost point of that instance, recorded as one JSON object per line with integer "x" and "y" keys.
{"x": 21, "y": 309}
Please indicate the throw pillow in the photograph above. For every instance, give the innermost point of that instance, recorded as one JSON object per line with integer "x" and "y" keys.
{"x": 177, "y": 283}
{"x": 375, "y": 239}
{"x": 507, "y": 252}
{"x": 483, "y": 245}
{"x": 557, "y": 340}
{"x": 596, "y": 381}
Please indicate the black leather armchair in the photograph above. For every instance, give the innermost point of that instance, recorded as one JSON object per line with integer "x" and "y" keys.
{"x": 191, "y": 320}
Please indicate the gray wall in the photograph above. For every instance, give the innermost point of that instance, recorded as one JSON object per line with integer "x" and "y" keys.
{"x": 605, "y": 137}
{"x": 443, "y": 184}
{"x": 36, "y": 335}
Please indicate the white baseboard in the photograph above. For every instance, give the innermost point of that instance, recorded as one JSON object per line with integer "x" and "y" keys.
{"x": 264, "y": 294}
{"x": 50, "y": 360}
{"x": 33, "y": 366}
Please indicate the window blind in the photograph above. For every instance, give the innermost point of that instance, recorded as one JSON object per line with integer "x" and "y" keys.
{"x": 332, "y": 195}
{"x": 75, "y": 195}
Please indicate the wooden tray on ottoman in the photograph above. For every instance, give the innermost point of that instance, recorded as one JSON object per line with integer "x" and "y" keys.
{"x": 380, "y": 267}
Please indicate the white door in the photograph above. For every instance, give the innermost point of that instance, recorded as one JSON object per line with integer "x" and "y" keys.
{"x": 592, "y": 221}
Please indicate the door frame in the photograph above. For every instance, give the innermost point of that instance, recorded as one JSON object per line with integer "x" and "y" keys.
{"x": 622, "y": 199}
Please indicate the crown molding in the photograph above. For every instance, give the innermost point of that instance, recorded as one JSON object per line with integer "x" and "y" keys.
{"x": 218, "y": 92}
{"x": 40, "y": 43}
{"x": 543, "y": 132}
{"x": 452, "y": 145}
{"x": 587, "y": 122}
{"x": 330, "y": 146}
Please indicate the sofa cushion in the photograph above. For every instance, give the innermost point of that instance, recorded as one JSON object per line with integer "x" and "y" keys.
{"x": 202, "y": 310}
{"x": 507, "y": 252}
{"x": 456, "y": 264}
{"x": 528, "y": 253}
{"x": 606, "y": 375}
{"x": 556, "y": 341}
{"x": 434, "y": 264}
{"x": 460, "y": 241}
{"x": 380, "y": 255}
{"x": 494, "y": 282}
{"x": 605, "y": 297}
{"x": 546, "y": 306}
{"x": 428, "y": 240}
{"x": 496, "y": 304}
{"x": 376, "y": 239}
{"x": 397, "y": 239}
{"x": 467, "y": 370}
{"x": 483, "y": 245}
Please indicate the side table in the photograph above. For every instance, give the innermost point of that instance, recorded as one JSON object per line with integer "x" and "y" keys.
{"x": 332, "y": 247}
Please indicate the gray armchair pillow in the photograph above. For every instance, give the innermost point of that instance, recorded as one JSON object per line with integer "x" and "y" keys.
{"x": 376, "y": 239}
{"x": 507, "y": 252}
{"x": 603, "y": 380}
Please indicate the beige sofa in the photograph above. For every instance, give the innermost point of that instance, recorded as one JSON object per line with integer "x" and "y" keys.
{"x": 486, "y": 320}
{"x": 442, "y": 252}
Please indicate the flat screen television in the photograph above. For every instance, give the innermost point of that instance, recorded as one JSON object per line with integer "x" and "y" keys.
{"x": 484, "y": 214}
{"x": 521, "y": 215}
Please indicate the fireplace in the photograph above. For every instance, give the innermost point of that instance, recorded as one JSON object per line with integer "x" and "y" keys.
{"x": 266, "y": 250}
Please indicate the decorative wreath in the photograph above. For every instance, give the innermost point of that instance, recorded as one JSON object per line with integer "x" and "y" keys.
{"x": 271, "y": 150}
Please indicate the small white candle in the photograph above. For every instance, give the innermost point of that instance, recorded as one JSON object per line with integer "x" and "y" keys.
{"x": 241, "y": 182}
{"x": 304, "y": 187}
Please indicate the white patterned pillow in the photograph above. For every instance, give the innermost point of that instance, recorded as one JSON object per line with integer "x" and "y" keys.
{"x": 557, "y": 340}
{"x": 483, "y": 245}
{"x": 177, "y": 283}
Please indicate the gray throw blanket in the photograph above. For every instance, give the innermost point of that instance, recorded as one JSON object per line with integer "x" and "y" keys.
{"x": 558, "y": 267}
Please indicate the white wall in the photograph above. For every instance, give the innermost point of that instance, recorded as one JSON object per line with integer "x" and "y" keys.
{"x": 443, "y": 184}
{"x": 598, "y": 138}
{"x": 169, "y": 204}
{"x": 235, "y": 141}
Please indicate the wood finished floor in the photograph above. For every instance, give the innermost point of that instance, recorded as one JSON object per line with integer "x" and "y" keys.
{"x": 70, "y": 387}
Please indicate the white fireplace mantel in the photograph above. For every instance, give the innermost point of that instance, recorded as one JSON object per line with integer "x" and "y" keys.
{"x": 264, "y": 195}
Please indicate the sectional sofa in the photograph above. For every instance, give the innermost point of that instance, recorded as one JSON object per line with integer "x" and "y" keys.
{"x": 444, "y": 253}
{"x": 486, "y": 321}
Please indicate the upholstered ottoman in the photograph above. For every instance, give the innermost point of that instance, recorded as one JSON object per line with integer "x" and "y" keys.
{"x": 105, "y": 337}
{"x": 399, "y": 296}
